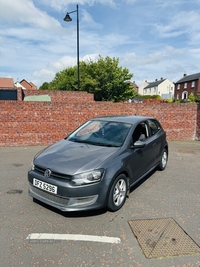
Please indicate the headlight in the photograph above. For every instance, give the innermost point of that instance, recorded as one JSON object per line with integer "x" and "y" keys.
{"x": 85, "y": 178}
{"x": 32, "y": 167}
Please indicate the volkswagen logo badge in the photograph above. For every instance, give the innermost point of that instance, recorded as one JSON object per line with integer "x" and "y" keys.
{"x": 47, "y": 173}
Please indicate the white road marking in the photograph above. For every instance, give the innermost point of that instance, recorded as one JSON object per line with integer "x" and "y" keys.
{"x": 92, "y": 238}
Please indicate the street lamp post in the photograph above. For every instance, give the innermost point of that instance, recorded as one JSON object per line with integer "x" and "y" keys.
{"x": 69, "y": 19}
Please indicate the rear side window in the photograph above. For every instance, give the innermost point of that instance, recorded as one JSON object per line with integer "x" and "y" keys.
{"x": 154, "y": 126}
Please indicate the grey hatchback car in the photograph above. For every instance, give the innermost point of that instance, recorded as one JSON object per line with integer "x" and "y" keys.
{"x": 96, "y": 165}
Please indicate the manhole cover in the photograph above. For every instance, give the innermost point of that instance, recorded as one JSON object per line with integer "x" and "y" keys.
{"x": 162, "y": 238}
{"x": 14, "y": 191}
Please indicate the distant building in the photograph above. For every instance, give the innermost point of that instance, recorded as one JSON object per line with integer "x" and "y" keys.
{"x": 6, "y": 83}
{"x": 26, "y": 85}
{"x": 135, "y": 86}
{"x": 188, "y": 84}
{"x": 140, "y": 90}
{"x": 163, "y": 87}
{"x": 8, "y": 90}
{"x": 19, "y": 85}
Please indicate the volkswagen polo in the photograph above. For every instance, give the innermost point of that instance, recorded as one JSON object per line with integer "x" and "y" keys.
{"x": 96, "y": 165}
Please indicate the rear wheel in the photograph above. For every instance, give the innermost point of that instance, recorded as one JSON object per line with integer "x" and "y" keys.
{"x": 163, "y": 161}
{"x": 118, "y": 192}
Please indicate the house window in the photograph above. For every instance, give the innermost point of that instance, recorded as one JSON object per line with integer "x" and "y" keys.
{"x": 178, "y": 97}
{"x": 185, "y": 85}
{"x": 193, "y": 84}
{"x": 154, "y": 89}
{"x": 178, "y": 86}
{"x": 149, "y": 90}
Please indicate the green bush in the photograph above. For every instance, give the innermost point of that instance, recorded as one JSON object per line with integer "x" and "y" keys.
{"x": 197, "y": 97}
{"x": 191, "y": 97}
{"x": 150, "y": 96}
{"x": 169, "y": 100}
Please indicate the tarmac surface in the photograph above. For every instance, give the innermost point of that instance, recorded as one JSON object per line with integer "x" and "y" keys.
{"x": 81, "y": 239}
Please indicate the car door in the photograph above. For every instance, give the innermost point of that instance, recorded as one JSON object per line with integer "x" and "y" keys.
{"x": 156, "y": 137}
{"x": 142, "y": 159}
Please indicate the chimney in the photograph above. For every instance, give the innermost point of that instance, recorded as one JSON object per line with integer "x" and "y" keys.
{"x": 184, "y": 74}
{"x": 161, "y": 78}
{"x": 156, "y": 80}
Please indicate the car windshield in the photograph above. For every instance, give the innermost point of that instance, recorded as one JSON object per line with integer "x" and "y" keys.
{"x": 101, "y": 133}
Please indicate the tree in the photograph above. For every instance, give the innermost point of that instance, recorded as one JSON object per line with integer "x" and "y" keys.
{"x": 65, "y": 80}
{"x": 103, "y": 78}
{"x": 197, "y": 97}
{"x": 44, "y": 86}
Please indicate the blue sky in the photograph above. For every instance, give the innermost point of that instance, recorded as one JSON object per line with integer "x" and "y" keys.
{"x": 153, "y": 39}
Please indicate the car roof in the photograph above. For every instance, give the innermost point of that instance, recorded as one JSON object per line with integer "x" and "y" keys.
{"x": 126, "y": 119}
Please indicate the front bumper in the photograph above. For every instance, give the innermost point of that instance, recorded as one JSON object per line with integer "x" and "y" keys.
{"x": 64, "y": 203}
{"x": 69, "y": 198}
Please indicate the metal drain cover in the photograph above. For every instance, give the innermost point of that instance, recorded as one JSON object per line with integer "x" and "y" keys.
{"x": 162, "y": 238}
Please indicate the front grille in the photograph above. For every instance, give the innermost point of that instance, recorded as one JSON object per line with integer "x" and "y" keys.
{"x": 53, "y": 198}
{"x": 53, "y": 174}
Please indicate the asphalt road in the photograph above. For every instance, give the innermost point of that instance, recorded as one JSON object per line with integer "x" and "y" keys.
{"x": 173, "y": 193}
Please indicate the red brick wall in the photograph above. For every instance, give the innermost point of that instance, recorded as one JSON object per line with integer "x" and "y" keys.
{"x": 42, "y": 123}
{"x": 198, "y": 123}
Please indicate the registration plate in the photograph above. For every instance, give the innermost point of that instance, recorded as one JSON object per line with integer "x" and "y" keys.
{"x": 45, "y": 186}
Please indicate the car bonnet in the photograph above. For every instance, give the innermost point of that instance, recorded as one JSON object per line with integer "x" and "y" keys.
{"x": 70, "y": 158}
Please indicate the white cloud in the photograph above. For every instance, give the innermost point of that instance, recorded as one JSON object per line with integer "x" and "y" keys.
{"x": 129, "y": 1}
{"x": 134, "y": 60}
{"x": 59, "y": 5}
{"x": 22, "y": 12}
{"x": 181, "y": 23}
{"x": 63, "y": 63}
{"x": 87, "y": 18}
{"x": 44, "y": 74}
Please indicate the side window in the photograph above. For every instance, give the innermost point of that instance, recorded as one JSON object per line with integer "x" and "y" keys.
{"x": 154, "y": 126}
{"x": 141, "y": 132}
{"x": 193, "y": 84}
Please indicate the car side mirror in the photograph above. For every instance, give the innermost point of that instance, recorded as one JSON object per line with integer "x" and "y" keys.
{"x": 138, "y": 144}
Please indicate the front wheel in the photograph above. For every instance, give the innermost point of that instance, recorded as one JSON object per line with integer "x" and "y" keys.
{"x": 163, "y": 161}
{"x": 118, "y": 192}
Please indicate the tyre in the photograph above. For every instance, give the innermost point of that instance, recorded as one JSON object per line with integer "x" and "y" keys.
{"x": 163, "y": 161}
{"x": 118, "y": 192}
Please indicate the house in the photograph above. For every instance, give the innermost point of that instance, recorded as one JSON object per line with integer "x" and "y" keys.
{"x": 19, "y": 85}
{"x": 188, "y": 84}
{"x": 8, "y": 90}
{"x": 162, "y": 87}
{"x": 141, "y": 87}
{"x": 135, "y": 86}
{"x": 6, "y": 83}
{"x": 27, "y": 85}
